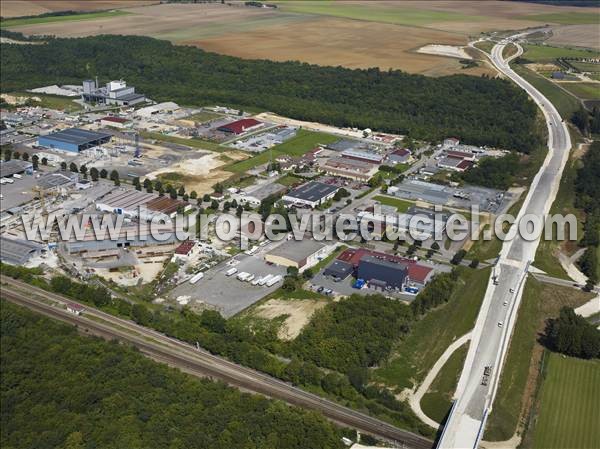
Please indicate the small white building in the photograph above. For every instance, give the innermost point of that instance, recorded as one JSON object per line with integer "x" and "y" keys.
{"x": 75, "y": 309}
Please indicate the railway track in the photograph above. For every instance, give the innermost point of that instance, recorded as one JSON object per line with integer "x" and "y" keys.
{"x": 199, "y": 362}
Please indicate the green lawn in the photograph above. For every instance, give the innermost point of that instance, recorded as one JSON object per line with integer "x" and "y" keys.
{"x": 564, "y": 18}
{"x": 430, "y": 337}
{"x": 400, "y": 205}
{"x": 204, "y": 116}
{"x": 586, "y": 66}
{"x": 585, "y": 91}
{"x": 546, "y": 53}
{"x": 485, "y": 45}
{"x": 72, "y": 17}
{"x": 297, "y": 146}
{"x": 193, "y": 142}
{"x": 565, "y": 104}
{"x": 377, "y": 13}
{"x": 569, "y": 414}
{"x": 289, "y": 180}
{"x": 437, "y": 401}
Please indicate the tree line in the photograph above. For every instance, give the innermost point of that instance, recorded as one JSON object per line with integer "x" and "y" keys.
{"x": 479, "y": 110}
{"x": 61, "y": 390}
{"x": 572, "y": 335}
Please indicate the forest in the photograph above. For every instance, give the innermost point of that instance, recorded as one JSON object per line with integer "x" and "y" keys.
{"x": 478, "y": 110}
{"x": 60, "y": 390}
{"x": 587, "y": 187}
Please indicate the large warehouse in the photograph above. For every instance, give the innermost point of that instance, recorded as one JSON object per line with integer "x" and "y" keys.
{"x": 301, "y": 254}
{"x": 311, "y": 194}
{"x": 73, "y": 140}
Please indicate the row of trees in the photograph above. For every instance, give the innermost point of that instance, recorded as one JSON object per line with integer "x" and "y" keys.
{"x": 61, "y": 390}
{"x": 479, "y": 110}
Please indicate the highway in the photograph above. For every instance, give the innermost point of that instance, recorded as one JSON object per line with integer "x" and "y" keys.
{"x": 479, "y": 379}
{"x": 199, "y": 362}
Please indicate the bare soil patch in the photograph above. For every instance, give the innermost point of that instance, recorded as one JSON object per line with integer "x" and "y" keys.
{"x": 298, "y": 311}
{"x": 576, "y": 36}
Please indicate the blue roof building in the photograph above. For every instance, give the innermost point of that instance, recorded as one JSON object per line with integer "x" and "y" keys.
{"x": 73, "y": 139}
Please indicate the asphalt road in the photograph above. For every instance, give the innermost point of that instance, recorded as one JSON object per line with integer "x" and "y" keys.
{"x": 480, "y": 376}
{"x": 199, "y": 362}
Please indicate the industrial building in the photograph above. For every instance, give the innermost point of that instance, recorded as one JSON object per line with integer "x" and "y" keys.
{"x": 57, "y": 181}
{"x": 129, "y": 237}
{"x": 416, "y": 223}
{"x": 363, "y": 155}
{"x": 115, "y": 122}
{"x": 382, "y": 273}
{"x": 339, "y": 270}
{"x": 418, "y": 274}
{"x": 399, "y": 156}
{"x": 145, "y": 206}
{"x": 350, "y": 168}
{"x": 115, "y": 92}
{"x": 14, "y": 167}
{"x": 257, "y": 195}
{"x": 160, "y": 108}
{"x": 73, "y": 140}
{"x": 455, "y": 163}
{"x": 301, "y": 254}
{"x": 240, "y": 126}
{"x": 18, "y": 251}
{"x": 311, "y": 194}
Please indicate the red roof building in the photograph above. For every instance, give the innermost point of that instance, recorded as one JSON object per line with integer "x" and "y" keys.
{"x": 416, "y": 272}
{"x": 185, "y": 248}
{"x": 114, "y": 119}
{"x": 240, "y": 126}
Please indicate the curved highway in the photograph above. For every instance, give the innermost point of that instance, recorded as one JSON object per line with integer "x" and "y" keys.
{"x": 481, "y": 373}
{"x": 198, "y": 362}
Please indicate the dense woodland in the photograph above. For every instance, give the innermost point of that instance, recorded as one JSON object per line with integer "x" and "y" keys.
{"x": 60, "y": 390}
{"x": 587, "y": 188}
{"x": 496, "y": 173}
{"x": 478, "y": 110}
{"x": 572, "y": 335}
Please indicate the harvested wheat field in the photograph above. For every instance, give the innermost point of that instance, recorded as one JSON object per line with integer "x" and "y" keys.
{"x": 356, "y": 34}
{"x": 17, "y": 8}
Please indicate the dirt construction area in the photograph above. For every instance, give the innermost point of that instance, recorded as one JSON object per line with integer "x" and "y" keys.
{"x": 298, "y": 313}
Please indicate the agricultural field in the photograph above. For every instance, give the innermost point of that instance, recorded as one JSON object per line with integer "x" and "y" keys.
{"x": 67, "y": 18}
{"x": 547, "y": 53}
{"x": 571, "y": 385}
{"x": 521, "y": 369}
{"x": 297, "y": 146}
{"x": 361, "y": 34}
{"x": 18, "y": 8}
{"x": 585, "y": 91}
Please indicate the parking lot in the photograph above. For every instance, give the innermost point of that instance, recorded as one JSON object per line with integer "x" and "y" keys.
{"x": 344, "y": 288}
{"x": 225, "y": 293}
{"x": 488, "y": 200}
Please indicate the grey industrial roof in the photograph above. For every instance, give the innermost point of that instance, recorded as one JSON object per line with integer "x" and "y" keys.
{"x": 267, "y": 190}
{"x": 56, "y": 179}
{"x": 382, "y": 262}
{"x": 312, "y": 191}
{"x": 343, "y": 144}
{"x": 77, "y": 136}
{"x": 17, "y": 252}
{"x": 130, "y": 97}
{"x": 339, "y": 268}
{"x": 13, "y": 167}
{"x": 297, "y": 250}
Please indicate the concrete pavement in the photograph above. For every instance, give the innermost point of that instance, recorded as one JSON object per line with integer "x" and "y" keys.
{"x": 479, "y": 380}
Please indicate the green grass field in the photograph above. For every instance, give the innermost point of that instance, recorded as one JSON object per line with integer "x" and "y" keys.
{"x": 297, "y": 146}
{"x": 565, "y": 104}
{"x": 437, "y": 401}
{"x": 546, "y": 53}
{"x": 429, "y": 337}
{"x": 193, "y": 142}
{"x": 569, "y": 414}
{"x": 204, "y": 116}
{"x": 400, "y": 205}
{"x": 8, "y": 23}
{"x": 564, "y": 18}
{"x": 377, "y": 13}
{"x": 585, "y": 91}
